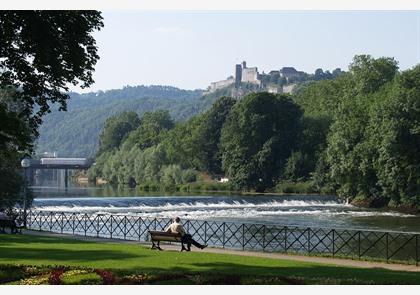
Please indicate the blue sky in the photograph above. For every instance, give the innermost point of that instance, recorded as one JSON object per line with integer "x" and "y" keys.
{"x": 191, "y": 49}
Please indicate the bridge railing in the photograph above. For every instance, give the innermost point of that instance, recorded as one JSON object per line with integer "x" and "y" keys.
{"x": 356, "y": 244}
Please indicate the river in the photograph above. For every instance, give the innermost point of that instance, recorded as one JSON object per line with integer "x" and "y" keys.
{"x": 297, "y": 210}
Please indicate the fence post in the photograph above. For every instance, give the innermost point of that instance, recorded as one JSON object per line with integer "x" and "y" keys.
{"x": 28, "y": 224}
{"x": 243, "y": 236}
{"x": 73, "y": 223}
{"x": 333, "y": 242}
{"x": 417, "y": 250}
{"x": 40, "y": 220}
{"x": 205, "y": 232}
{"x": 51, "y": 224}
{"x": 97, "y": 225}
{"x": 85, "y": 227}
{"x": 224, "y": 225}
{"x": 62, "y": 222}
{"x": 139, "y": 228}
{"x": 125, "y": 227}
{"x": 358, "y": 248}
{"x": 387, "y": 246}
{"x": 285, "y": 239}
{"x": 309, "y": 240}
{"x": 110, "y": 226}
{"x": 263, "y": 238}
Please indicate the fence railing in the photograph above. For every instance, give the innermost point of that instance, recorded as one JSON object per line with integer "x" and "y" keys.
{"x": 356, "y": 244}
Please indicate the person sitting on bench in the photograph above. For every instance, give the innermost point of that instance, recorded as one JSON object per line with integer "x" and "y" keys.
{"x": 8, "y": 221}
{"x": 176, "y": 227}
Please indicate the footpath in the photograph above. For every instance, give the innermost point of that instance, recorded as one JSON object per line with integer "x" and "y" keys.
{"x": 315, "y": 259}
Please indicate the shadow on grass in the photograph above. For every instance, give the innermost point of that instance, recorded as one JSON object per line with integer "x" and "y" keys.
{"x": 65, "y": 239}
{"x": 311, "y": 273}
{"x": 63, "y": 255}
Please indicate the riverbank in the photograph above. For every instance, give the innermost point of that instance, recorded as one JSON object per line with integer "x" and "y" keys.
{"x": 129, "y": 262}
{"x": 306, "y": 188}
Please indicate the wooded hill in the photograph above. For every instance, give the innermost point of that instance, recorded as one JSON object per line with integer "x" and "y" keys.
{"x": 76, "y": 132}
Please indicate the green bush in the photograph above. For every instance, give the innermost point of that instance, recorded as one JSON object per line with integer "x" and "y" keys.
{"x": 295, "y": 188}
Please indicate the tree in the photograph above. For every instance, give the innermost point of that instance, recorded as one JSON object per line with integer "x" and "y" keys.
{"x": 337, "y": 72}
{"x": 148, "y": 134}
{"x": 14, "y": 130}
{"x": 370, "y": 74}
{"x": 257, "y": 139}
{"x": 116, "y": 129}
{"x": 351, "y": 153}
{"x": 394, "y": 130}
{"x": 319, "y": 74}
{"x": 42, "y": 52}
{"x": 207, "y": 141}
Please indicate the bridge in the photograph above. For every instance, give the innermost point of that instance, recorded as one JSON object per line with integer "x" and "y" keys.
{"x": 60, "y": 166}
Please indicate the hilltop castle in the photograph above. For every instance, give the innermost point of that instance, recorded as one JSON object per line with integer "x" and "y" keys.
{"x": 274, "y": 82}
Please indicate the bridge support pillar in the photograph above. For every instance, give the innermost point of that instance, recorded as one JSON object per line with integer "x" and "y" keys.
{"x": 66, "y": 178}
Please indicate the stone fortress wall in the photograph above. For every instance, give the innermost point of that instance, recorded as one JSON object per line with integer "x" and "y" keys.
{"x": 244, "y": 74}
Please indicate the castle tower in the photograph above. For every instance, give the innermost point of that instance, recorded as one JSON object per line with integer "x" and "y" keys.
{"x": 238, "y": 75}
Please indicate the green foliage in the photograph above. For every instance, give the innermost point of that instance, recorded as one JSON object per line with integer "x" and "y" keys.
{"x": 370, "y": 74}
{"x": 42, "y": 52}
{"x": 116, "y": 129}
{"x": 356, "y": 135}
{"x": 295, "y": 188}
{"x": 149, "y": 133}
{"x": 76, "y": 132}
{"x": 373, "y": 145}
{"x": 15, "y": 140}
{"x": 172, "y": 174}
{"x": 257, "y": 139}
{"x": 207, "y": 140}
{"x": 394, "y": 129}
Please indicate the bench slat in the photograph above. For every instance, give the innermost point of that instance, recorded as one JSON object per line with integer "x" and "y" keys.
{"x": 164, "y": 236}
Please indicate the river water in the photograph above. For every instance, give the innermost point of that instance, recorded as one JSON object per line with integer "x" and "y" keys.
{"x": 297, "y": 210}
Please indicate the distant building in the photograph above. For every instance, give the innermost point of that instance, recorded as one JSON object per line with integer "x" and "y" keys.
{"x": 276, "y": 89}
{"x": 246, "y": 75}
{"x": 238, "y": 75}
{"x": 242, "y": 75}
{"x": 250, "y": 75}
{"x": 49, "y": 155}
{"x": 288, "y": 88}
{"x": 221, "y": 84}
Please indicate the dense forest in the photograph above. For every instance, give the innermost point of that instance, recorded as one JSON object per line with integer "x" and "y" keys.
{"x": 357, "y": 136}
{"x": 76, "y": 132}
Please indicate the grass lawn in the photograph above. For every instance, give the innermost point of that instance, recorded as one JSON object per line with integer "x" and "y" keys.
{"x": 139, "y": 262}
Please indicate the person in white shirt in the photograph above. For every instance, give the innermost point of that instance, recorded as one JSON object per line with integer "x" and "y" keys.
{"x": 176, "y": 227}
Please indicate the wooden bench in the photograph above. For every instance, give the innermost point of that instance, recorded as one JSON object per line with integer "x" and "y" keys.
{"x": 10, "y": 223}
{"x": 162, "y": 236}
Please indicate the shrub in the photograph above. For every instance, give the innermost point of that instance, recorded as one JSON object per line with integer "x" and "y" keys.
{"x": 55, "y": 277}
{"x": 106, "y": 276}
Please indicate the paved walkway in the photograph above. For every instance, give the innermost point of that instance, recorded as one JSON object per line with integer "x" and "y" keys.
{"x": 324, "y": 260}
